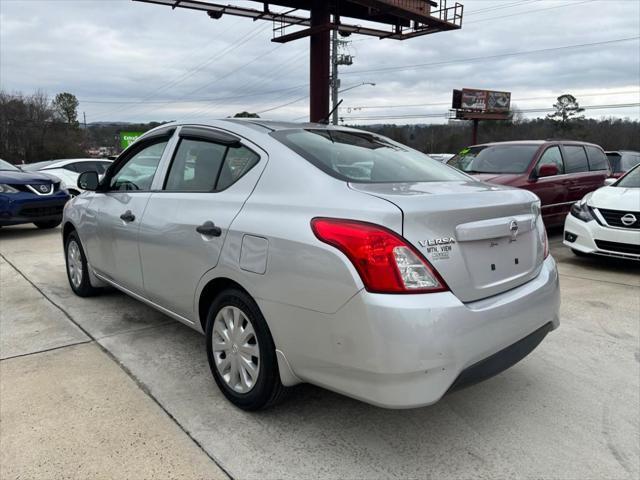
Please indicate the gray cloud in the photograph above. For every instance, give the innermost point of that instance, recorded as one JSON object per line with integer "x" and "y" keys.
{"x": 179, "y": 63}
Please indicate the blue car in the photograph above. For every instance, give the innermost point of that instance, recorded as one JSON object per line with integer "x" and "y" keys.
{"x": 30, "y": 198}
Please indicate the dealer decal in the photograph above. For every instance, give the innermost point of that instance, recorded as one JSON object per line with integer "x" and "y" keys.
{"x": 438, "y": 248}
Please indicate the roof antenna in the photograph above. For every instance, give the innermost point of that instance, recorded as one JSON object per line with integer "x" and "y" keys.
{"x": 325, "y": 120}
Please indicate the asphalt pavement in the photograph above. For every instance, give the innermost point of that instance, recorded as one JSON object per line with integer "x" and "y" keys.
{"x": 108, "y": 387}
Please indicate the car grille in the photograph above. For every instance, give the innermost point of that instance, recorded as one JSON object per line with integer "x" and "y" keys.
{"x": 618, "y": 247}
{"x": 33, "y": 211}
{"x": 614, "y": 218}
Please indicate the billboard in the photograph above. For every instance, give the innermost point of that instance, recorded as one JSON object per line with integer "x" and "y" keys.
{"x": 481, "y": 100}
{"x": 127, "y": 138}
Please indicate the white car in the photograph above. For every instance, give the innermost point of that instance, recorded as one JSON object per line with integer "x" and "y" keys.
{"x": 607, "y": 221}
{"x": 69, "y": 170}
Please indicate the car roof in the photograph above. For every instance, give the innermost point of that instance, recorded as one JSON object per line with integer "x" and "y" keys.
{"x": 536, "y": 142}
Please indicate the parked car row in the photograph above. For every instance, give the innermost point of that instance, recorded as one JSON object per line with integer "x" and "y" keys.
{"x": 37, "y": 192}
{"x": 569, "y": 177}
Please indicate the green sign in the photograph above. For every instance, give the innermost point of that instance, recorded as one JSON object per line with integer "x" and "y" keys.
{"x": 127, "y": 138}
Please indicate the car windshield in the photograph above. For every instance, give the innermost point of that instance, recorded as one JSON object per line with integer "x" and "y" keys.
{"x": 39, "y": 165}
{"x": 494, "y": 159}
{"x": 6, "y": 166}
{"x": 361, "y": 157}
{"x": 630, "y": 180}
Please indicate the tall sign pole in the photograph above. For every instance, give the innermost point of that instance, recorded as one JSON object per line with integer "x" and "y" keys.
{"x": 320, "y": 59}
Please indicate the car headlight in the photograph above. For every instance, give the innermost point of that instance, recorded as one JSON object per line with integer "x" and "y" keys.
{"x": 581, "y": 211}
{"x": 4, "y": 188}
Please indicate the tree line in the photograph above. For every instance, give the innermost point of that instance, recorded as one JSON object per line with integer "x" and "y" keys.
{"x": 35, "y": 127}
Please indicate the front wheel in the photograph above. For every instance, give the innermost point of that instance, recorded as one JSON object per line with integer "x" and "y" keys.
{"x": 241, "y": 352}
{"x": 77, "y": 270}
{"x": 48, "y": 224}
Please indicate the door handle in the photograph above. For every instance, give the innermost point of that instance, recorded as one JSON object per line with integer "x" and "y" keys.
{"x": 209, "y": 229}
{"x": 128, "y": 216}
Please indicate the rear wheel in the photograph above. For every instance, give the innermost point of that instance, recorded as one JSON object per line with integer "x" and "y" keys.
{"x": 241, "y": 352}
{"x": 77, "y": 270}
{"x": 48, "y": 224}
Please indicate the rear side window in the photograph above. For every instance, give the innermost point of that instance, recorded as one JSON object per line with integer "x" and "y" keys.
{"x": 361, "y": 157}
{"x": 629, "y": 160}
{"x": 575, "y": 159}
{"x": 71, "y": 167}
{"x": 85, "y": 167}
{"x": 597, "y": 159}
{"x": 203, "y": 166}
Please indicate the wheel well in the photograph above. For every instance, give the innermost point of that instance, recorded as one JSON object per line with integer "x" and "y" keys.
{"x": 210, "y": 292}
{"x": 66, "y": 230}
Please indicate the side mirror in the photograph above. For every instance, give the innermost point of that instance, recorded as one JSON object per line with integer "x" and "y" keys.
{"x": 609, "y": 181}
{"x": 548, "y": 170}
{"x": 88, "y": 181}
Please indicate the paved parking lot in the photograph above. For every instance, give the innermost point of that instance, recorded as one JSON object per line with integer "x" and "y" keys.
{"x": 109, "y": 387}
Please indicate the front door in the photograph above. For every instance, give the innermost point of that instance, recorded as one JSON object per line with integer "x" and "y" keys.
{"x": 185, "y": 225}
{"x": 551, "y": 190}
{"x": 119, "y": 210}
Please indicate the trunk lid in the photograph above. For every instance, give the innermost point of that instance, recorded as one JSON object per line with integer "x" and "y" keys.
{"x": 482, "y": 239}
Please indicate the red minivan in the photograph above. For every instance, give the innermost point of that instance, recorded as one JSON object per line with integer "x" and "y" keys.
{"x": 560, "y": 172}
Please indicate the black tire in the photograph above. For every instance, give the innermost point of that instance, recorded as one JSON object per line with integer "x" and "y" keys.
{"x": 84, "y": 288}
{"x": 267, "y": 389}
{"x": 48, "y": 224}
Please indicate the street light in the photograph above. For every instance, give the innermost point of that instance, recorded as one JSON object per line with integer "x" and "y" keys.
{"x": 335, "y": 107}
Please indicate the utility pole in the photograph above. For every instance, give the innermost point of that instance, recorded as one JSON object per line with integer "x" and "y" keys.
{"x": 84, "y": 115}
{"x": 335, "y": 81}
{"x": 337, "y": 59}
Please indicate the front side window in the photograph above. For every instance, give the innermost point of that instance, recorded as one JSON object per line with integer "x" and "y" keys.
{"x": 494, "y": 159}
{"x": 138, "y": 172}
{"x": 575, "y": 159}
{"x": 551, "y": 156}
{"x": 204, "y": 166}
{"x": 597, "y": 159}
{"x": 361, "y": 157}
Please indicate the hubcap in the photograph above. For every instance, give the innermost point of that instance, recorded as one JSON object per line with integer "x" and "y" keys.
{"x": 235, "y": 349}
{"x": 74, "y": 263}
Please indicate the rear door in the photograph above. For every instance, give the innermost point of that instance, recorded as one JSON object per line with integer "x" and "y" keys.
{"x": 211, "y": 175}
{"x": 580, "y": 179}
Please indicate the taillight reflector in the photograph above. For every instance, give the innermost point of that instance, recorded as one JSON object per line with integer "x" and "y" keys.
{"x": 385, "y": 261}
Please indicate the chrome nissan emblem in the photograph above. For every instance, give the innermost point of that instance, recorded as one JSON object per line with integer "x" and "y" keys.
{"x": 45, "y": 189}
{"x": 628, "y": 219}
{"x": 513, "y": 228}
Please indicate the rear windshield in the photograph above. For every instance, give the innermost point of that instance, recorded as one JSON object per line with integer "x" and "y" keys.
{"x": 630, "y": 180}
{"x": 494, "y": 159}
{"x": 623, "y": 162}
{"x": 360, "y": 157}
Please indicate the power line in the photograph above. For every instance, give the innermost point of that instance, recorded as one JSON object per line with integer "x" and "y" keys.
{"x": 588, "y": 94}
{"x": 531, "y": 110}
{"x": 496, "y": 7}
{"x": 486, "y": 57}
{"x": 530, "y": 11}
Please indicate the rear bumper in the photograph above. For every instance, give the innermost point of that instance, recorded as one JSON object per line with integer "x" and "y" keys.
{"x": 404, "y": 351}
{"x": 593, "y": 238}
{"x": 19, "y": 208}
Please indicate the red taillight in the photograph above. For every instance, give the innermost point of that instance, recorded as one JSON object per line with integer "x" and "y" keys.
{"x": 385, "y": 262}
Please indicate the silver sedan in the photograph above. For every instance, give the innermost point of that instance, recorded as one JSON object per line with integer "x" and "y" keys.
{"x": 310, "y": 253}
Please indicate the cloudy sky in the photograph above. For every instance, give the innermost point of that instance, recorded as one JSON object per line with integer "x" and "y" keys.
{"x": 131, "y": 61}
